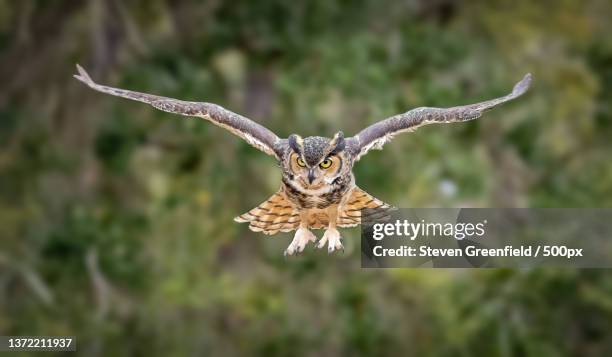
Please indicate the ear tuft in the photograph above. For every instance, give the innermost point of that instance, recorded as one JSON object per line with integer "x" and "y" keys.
{"x": 296, "y": 143}
{"x": 337, "y": 143}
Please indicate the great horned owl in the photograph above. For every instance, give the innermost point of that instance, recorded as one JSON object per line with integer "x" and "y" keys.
{"x": 318, "y": 186}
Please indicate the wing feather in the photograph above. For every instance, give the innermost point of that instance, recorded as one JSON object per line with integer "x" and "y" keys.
{"x": 274, "y": 215}
{"x": 252, "y": 132}
{"x": 359, "y": 202}
{"x": 378, "y": 134}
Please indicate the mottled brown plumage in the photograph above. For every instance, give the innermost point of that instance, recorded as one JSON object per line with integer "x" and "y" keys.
{"x": 317, "y": 186}
{"x": 277, "y": 214}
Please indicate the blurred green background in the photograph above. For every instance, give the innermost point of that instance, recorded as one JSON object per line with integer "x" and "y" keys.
{"x": 116, "y": 219}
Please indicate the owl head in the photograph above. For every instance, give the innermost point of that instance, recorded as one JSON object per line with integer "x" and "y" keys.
{"x": 316, "y": 161}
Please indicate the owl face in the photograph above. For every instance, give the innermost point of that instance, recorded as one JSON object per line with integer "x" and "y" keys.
{"x": 315, "y": 162}
{"x": 317, "y": 175}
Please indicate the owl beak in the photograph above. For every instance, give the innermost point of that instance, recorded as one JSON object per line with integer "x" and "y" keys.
{"x": 311, "y": 176}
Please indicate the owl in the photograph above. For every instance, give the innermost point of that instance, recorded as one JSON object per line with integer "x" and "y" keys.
{"x": 318, "y": 187}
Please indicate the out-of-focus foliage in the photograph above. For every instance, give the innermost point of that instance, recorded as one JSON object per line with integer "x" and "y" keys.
{"x": 116, "y": 219}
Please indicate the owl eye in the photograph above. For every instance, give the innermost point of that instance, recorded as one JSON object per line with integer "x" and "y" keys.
{"x": 300, "y": 162}
{"x": 325, "y": 164}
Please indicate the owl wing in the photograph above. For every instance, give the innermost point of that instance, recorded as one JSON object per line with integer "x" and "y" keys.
{"x": 253, "y": 133}
{"x": 362, "y": 206}
{"x": 376, "y": 135}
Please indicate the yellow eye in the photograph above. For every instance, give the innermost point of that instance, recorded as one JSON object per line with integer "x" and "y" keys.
{"x": 325, "y": 164}
{"x": 300, "y": 162}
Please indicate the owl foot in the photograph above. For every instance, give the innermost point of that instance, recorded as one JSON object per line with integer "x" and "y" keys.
{"x": 332, "y": 238}
{"x": 300, "y": 240}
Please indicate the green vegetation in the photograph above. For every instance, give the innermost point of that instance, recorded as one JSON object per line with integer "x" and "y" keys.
{"x": 116, "y": 219}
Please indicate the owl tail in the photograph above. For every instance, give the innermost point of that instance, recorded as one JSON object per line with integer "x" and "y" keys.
{"x": 274, "y": 215}
{"x": 277, "y": 214}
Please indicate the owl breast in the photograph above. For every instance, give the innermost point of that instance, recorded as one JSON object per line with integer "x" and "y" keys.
{"x": 320, "y": 197}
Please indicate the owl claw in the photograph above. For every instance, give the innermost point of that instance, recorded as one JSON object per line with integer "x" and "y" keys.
{"x": 333, "y": 240}
{"x": 302, "y": 237}
{"x": 321, "y": 243}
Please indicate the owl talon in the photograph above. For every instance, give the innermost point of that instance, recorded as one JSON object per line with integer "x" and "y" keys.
{"x": 302, "y": 237}
{"x": 321, "y": 243}
{"x": 333, "y": 240}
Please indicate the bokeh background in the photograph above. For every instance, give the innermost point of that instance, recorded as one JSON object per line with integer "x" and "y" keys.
{"x": 116, "y": 219}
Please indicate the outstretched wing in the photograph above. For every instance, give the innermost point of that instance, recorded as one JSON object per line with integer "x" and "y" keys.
{"x": 376, "y": 135}
{"x": 253, "y": 133}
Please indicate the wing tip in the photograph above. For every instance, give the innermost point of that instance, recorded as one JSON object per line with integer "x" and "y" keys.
{"x": 522, "y": 86}
{"x": 239, "y": 219}
{"x": 83, "y": 76}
